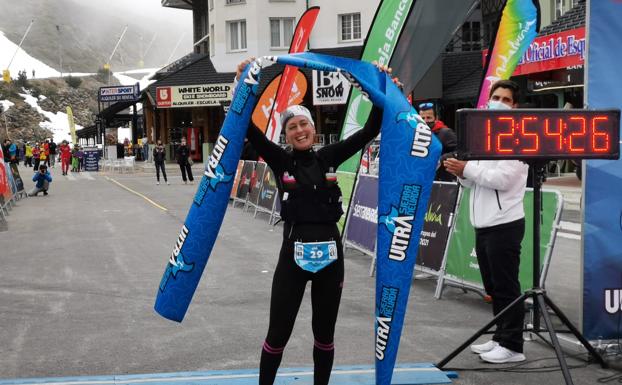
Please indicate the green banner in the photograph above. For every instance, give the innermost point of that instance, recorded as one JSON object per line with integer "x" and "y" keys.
{"x": 379, "y": 46}
{"x": 461, "y": 257}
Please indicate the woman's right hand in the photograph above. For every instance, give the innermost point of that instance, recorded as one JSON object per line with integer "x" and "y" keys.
{"x": 241, "y": 66}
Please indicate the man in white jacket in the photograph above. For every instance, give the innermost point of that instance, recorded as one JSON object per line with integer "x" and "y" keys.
{"x": 497, "y": 189}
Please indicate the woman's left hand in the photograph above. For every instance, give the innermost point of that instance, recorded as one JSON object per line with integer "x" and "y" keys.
{"x": 389, "y": 71}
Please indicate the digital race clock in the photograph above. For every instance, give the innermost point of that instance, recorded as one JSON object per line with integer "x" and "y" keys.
{"x": 538, "y": 134}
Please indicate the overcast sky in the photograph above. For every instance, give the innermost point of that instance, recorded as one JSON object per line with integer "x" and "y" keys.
{"x": 152, "y": 8}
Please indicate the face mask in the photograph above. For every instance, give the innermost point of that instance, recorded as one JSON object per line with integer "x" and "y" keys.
{"x": 497, "y": 105}
{"x": 431, "y": 124}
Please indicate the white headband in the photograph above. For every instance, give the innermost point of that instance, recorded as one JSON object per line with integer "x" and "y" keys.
{"x": 295, "y": 110}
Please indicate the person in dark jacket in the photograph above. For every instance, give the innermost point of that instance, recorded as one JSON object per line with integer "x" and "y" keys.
{"x": 311, "y": 206}
{"x": 42, "y": 179}
{"x": 183, "y": 155}
{"x": 5, "y": 150}
{"x": 444, "y": 134}
{"x": 159, "y": 157}
{"x": 52, "y": 157}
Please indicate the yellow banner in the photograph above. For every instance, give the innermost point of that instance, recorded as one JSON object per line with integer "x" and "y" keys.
{"x": 72, "y": 125}
{"x": 6, "y": 76}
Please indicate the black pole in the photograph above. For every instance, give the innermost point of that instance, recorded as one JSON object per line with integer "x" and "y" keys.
{"x": 536, "y": 178}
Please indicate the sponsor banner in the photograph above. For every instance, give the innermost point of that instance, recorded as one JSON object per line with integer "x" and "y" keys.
{"x": 551, "y": 52}
{"x": 363, "y": 220}
{"x": 236, "y": 180}
{"x": 518, "y": 26}
{"x": 119, "y": 93}
{"x": 91, "y": 159}
{"x": 199, "y": 95}
{"x": 72, "y": 125}
{"x": 19, "y": 182}
{"x": 5, "y": 188}
{"x": 436, "y": 225}
{"x": 11, "y": 180}
{"x": 602, "y": 229}
{"x": 244, "y": 186}
{"x": 196, "y": 239}
{"x": 266, "y": 101}
{"x": 379, "y": 46}
{"x": 269, "y": 192}
{"x": 256, "y": 180}
{"x": 428, "y": 29}
{"x": 330, "y": 88}
{"x": 298, "y": 44}
{"x": 462, "y": 259}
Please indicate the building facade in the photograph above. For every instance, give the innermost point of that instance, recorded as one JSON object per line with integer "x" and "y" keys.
{"x": 228, "y": 31}
{"x": 225, "y": 32}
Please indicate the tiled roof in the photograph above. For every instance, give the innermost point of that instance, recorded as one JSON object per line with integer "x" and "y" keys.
{"x": 177, "y": 65}
{"x": 462, "y": 76}
{"x": 572, "y": 19}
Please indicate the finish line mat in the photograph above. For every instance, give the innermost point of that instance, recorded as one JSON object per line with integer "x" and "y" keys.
{"x": 412, "y": 374}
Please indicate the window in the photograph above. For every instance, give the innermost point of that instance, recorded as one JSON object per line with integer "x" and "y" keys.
{"x": 559, "y": 8}
{"x": 471, "y": 36}
{"x": 211, "y": 4}
{"x": 212, "y": 48}
{"x": 281, "y": 31}
{"x": 237, "y": 35}
{"x": 235, "y": 2}
{"x": 574, "y": 3}
{"x": 350, "y": 26}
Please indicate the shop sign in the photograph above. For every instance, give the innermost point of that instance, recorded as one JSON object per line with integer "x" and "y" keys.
{"x": 193, "y": 95}
{"x": 560, "y": 79}
{"x": 119, "y": 93}
{"x": 330, "y": 88}
{"x": 552, "y": 52}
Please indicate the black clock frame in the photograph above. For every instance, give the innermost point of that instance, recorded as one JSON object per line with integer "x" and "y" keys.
{"x": 464, "y": 131}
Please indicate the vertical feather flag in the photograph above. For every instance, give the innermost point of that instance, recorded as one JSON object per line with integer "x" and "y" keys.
{"x": 298, "y": 44}
{"x": 518, "y": 26}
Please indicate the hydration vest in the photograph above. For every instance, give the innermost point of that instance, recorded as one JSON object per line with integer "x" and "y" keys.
{"x": 310, "y": 203}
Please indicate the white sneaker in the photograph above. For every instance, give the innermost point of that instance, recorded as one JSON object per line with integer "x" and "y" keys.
{"x": 185, "y": 182}
{"x": 485, "y": 347}
{"x": 501, "y": 355}
{"x": 167, "y": 182}
{"x": 158, "y": 182}
{"x": 191, "y": 182}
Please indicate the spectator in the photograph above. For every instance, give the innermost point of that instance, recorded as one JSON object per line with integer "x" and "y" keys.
{"x": 444, "y": 134}
{"x": 46, "y": 147}
{"x": 13, "y": 153}
{"x": 65, "y": 156}
{"x": 52, "y": 159}
{"x": 36, "y": 156}
{"x": 5, "y": 150}
{"x": 183, "y": 159}
{"x": 145, "y": 149}
{"x": 75, "y": 162}
{"x": 497, "y": 214}
{"x": 43, "y": 155}
{"x": 159, "y": 157}
{"x": 80, "y": 155}
{"x": 42, "y": 179}
{"x": 28, "y": 155}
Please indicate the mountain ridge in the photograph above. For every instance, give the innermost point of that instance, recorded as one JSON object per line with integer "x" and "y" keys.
{"x": 82, "y": 35}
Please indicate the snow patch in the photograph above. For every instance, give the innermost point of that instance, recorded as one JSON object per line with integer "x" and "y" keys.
{"x": 58, "y": 122}
{"x": 23, "y": 61}
{"x": 6, "y": 104}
